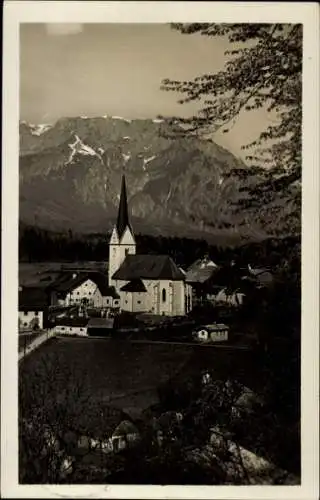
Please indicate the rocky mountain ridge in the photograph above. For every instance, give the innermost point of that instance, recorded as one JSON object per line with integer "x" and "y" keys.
{"x": 70, "y": 178}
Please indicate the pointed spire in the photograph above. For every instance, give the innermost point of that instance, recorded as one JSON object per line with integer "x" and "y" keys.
{"x": 123, "y": 216}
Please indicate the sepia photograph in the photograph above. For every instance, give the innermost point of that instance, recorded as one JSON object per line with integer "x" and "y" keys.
{"x": 159, "y": 252}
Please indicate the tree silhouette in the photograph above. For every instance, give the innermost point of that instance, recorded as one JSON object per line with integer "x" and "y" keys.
{"x": 263, "y": 69}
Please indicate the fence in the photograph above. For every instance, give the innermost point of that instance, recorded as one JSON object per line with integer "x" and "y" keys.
{"x": 39, "y": 340}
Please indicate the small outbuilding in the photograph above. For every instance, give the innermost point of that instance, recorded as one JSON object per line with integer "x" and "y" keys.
{"x": 216, "y": 332}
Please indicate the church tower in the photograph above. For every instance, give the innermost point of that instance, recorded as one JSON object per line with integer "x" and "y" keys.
{"x": 122, "y": 240}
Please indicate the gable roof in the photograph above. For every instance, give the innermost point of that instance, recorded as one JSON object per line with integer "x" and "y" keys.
{"x": 68, "y": 281}
{"x": 262, "y": 275}
{"x": 134, "y": 286}
{"x": 201, "y": 270}
{"x": 125, "y": 427}
{"x": 68, "y": 321}
{"x": 102, "y": 282}
{"x": 33, "y": 298}
{"x": 148, "y": 267}
{"x": 100, "y": 323}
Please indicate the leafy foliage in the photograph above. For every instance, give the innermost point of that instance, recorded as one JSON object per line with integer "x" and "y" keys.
{"x": 263, "y": 69}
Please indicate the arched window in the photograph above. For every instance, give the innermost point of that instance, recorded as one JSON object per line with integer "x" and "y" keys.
{"x": 126, "y": 251}
{"x": 164, "y": 294}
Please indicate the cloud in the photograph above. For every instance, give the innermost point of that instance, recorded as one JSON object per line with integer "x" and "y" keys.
{"x": 64, "y": 28}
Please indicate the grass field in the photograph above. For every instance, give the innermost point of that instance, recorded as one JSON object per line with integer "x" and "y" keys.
{"x": 127, "y": 374}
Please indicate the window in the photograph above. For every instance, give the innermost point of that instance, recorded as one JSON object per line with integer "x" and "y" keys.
{"x": 36, "y": 313}
{"x": 126, "y": 251}
{"x": 62, "y": 328}
{"x": 126, "y": 301}
{"x": 139, "y": 302}
{"x": 25, "y": 324}
{"x": 25, "y": 313}
{"x": 81, "y": 329}
{"x": 164, "y": 295}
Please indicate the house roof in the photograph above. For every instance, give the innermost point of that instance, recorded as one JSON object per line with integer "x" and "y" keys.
{"x": 214, "y": 327}
{"x": 100, "y": 323}
{"x": 148, "y": 267}
{"x": 68, "y": 281}
{"x": 31, "y": 298}
{"x": 125, "y": 427}
{"x": 134, "y": 286}
{"x": 102, "y": 282}
{"x": 67, "y": 321}
{"x": 263, "y": 275}
{"x": 200, "y": 271}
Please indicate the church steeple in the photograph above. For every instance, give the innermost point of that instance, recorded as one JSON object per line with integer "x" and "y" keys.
{"x": 123, "y": 215}
{"x": 122, "y": 241}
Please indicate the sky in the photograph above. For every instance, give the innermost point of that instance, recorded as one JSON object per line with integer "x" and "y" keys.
{"x": 117, "y": 69}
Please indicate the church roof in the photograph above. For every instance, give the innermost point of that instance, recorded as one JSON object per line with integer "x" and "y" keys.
{"x": 123, "y": 214}
{"x": 148, "y": 267}
{"x": 134, "y": 286}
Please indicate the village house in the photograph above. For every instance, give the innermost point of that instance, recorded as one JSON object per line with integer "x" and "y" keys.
{"x": 71, "y": 326}
{"x": 125, "y": 435}
{"x": 33, "y": 308}
{"x": 200, "y": 277}
{"x": 229, "y": 297}
{"x": 216, "y": 332}
{"x": 260, "y": 276}
{"x": 145, "y": 283}
{"x": 78, "y": 288}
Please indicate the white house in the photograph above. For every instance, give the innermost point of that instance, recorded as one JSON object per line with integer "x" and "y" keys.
{"x": 75, "y": 288}
{"x": 71, "y": 326}
{"x": 234, "y": 298}
{"x": 145, "y": 283}
{"x": 217, "y": 332}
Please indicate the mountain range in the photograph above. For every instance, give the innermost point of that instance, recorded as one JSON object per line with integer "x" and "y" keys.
{"x": 70, "y": 176}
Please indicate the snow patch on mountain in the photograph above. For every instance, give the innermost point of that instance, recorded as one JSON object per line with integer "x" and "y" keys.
{"x": 78, "y": 147}
{"x": 126, "y": 157}
{"x": 101, "y": 150}
{"x": 158, "y": 120}
{"x": 147, "y": 160}
{"x": 121, "y": 118}
{"x": 126, "y": 137}
{"x": 39, "y": 129}
{"x": 220, "y": 181}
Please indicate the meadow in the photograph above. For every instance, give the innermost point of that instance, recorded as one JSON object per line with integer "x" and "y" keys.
{"x": 123, "y": 373}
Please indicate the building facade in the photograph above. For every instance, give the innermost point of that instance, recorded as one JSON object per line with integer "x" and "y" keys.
{"x": 146, "y": 283}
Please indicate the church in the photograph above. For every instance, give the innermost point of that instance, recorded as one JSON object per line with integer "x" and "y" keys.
{"x": 151, "y": 284}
